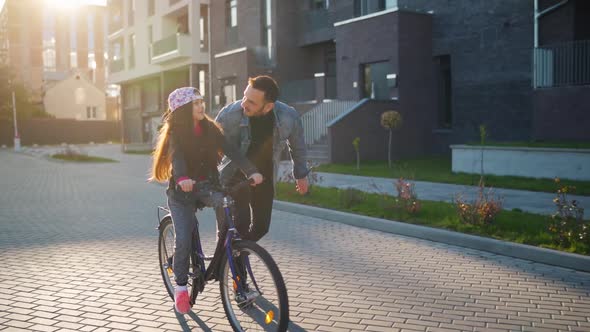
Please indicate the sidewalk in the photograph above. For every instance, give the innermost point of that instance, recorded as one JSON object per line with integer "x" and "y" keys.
{"x": 529, "y": 201}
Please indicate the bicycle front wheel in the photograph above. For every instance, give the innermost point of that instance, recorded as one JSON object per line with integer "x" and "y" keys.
{"x": 259, "y": 302}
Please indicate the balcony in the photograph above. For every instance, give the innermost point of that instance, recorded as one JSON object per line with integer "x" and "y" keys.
{"x": 316, "y": 26}
{"x": 172, "y": 48}
{"x": 116, "y": 66}
{"x": 564, "y": 64}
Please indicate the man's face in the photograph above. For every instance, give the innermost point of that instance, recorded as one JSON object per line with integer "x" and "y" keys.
{"x": 254, "y": 103}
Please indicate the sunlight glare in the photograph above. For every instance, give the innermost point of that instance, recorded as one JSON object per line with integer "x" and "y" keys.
{"x": 72, "y": 4}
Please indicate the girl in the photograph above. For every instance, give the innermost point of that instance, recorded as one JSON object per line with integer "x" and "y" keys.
{"x": 189, "y": 147}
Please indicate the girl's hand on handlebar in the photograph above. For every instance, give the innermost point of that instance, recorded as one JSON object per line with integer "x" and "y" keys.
{"x": 256, "y": 178}
{"x": 186, "y": 185}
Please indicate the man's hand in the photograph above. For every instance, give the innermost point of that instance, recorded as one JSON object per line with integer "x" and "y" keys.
{"x": 257, "y": 177}
{"x": 186, "y": 185}
{"x": 301, "y": 185}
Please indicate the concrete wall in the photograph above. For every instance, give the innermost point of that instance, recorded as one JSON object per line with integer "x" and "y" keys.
{"x": 57, "y": 131}
{"x": 528, "y": 162}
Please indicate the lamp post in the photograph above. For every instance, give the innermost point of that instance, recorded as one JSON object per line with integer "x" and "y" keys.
{"x": 16, "y": 136}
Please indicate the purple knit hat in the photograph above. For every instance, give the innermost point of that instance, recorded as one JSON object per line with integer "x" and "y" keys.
{"x": 182, "y": 96}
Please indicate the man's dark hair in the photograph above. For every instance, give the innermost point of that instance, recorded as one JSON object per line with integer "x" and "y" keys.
{"x": 267, "y": 85}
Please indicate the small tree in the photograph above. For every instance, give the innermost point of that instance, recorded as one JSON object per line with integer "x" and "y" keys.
{"x": 390, "y": 120}
{"x": 355, "y": 143}
{"x": 482, "y": 141}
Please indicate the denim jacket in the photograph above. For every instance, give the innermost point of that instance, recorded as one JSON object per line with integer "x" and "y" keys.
{"x": 288, "y": 131}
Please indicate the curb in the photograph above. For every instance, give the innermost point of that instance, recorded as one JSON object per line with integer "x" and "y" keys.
{"x": 516, "y": 250}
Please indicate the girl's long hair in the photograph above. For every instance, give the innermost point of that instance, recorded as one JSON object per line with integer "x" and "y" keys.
{"x": 180, "y": 124}
{"x": 161, "y": 160}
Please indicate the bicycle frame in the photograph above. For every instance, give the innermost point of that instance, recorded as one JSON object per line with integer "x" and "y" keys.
{"x": 232, "y": 234}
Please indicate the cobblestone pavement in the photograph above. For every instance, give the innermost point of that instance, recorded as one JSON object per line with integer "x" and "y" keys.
{"x": 78, "y": 253}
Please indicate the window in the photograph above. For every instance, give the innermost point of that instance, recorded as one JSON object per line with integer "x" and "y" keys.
{"x": 150, "y": 35}
{"x": 182, "y": 24}
{"x": 151, "y": 7}
{"x": 366, "y": 7}
{"x": 204, "y": 28}
{"x": 131, "y": 12}
{"x": 49, "y": 60}
{"x": 202, "y": 82}
{"x": 228, "y": 94}
{"x": 91, "y": 112}
{"x": 267, "y": 27}
{"x": 231, "y": 17}
{"x": 91, "y": 55}
{"x": 116, "y": 49}
{"x": 375, "y": 80}
{"x": 73, "y": 43}
{"x": 319, "y": 4}
{"x": 443, "y": 77}
{"x": 132, "y": 50}
{"x": 232, "y": 13}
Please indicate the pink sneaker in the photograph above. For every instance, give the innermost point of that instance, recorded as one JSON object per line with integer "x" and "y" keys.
{"x": 181, "y": 301}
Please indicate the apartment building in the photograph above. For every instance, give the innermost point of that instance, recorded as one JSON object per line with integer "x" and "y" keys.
{"x": 521, "y": 68}
{"x": 154, "y": 48}
{"x": 45, "y": 44}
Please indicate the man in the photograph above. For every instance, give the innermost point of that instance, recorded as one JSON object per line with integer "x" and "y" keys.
{"x": 261, "y": 126}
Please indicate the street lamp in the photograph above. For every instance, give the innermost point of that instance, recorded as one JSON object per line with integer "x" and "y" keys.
{"x": 16, "y": 136}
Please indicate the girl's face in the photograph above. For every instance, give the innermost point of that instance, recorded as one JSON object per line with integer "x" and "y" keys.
{"x": 198, "y": 110}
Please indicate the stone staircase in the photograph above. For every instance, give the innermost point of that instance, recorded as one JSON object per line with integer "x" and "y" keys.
{"x": 318, "y": 153}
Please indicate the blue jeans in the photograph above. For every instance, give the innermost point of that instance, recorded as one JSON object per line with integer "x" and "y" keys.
{"x": 182, "y": 208}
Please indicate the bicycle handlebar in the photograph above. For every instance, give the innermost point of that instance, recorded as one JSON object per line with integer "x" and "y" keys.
{"x": 233, "y": 189}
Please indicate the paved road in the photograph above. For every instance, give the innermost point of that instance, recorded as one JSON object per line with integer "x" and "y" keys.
{"x": 78, "y": 253}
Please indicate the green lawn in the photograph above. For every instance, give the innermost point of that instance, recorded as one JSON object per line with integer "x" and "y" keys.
{"x": 514, "y": 226}
{"x": 139, "y": 152}
{"x": 438, "y": 169}
{"x": 82, "y": 158}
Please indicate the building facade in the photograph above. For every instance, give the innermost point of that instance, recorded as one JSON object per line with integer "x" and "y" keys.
{"x": 520, "y": 68}
{"x": 154, "y": 48}
{"x": 44, "y": 44}
{"x": 85, "y": 100}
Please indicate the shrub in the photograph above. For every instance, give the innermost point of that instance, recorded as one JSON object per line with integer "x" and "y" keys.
{"x": 567, "y": 223}
{"x": 356, "y": 145}
{"x": 390, "y": 120}
{"x": 482, "y": 211}
{"x": 407, "y": 199}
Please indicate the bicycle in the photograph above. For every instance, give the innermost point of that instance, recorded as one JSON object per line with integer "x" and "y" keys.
{"x": 243, "y": 268}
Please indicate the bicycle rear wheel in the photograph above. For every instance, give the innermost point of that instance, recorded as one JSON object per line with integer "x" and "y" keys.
{"x": 264, "y": 305}
{"x": 166, "y": 257}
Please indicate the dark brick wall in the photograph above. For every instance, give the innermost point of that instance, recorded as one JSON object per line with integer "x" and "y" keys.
{"x": 558, "y": 25}
{"x": 490, "y": 45}
{"x": 57, "y": 131}
{"x": 365, "y": 123}
{"x": 366, "y": 41}
{"x": 417, "y": 94}
{"x": 562, "y": 114}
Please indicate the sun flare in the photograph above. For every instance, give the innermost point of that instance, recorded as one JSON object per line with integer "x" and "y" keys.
{"x": 72, "y": 4}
